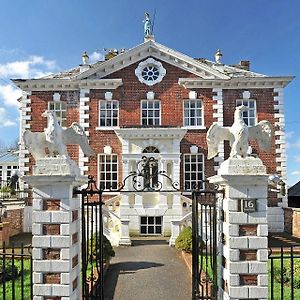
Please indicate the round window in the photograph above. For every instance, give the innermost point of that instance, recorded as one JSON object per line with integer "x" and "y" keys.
{"x": 150, "y": 73}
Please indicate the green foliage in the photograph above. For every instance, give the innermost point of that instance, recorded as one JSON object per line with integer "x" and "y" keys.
{"x": 5, "y": 189}
{"x": 287, "y": 273}
{"x": 8, "y": 271}
{"x": 184, "y": 240}
{"x": 108, "y": 251}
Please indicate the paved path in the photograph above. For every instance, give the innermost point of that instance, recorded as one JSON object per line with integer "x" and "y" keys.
{"x": 149, "y": 270}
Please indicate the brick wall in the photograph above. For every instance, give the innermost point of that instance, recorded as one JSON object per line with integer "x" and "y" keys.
{"x": 292, "y": 221}
{"x": 15, "y": 219}
{"x": 171, "y": 96}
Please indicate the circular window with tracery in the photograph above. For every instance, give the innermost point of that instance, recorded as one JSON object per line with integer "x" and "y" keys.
{"x": 150, "y": 71}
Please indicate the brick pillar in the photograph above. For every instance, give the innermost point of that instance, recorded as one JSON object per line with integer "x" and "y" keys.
{"x": 56, "y": 234}
{"x": 244, "y": 251}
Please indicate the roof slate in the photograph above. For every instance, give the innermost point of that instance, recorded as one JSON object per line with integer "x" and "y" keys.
{"x": 294, "y": 190}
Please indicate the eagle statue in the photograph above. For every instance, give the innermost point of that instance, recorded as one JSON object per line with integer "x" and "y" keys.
{"x": 239, "y": 135}
{"x": 55, "y": 139}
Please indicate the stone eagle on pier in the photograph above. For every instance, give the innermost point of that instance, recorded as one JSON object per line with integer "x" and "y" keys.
{"x": 55, "y": 139}
{"x": 239, "y": 135}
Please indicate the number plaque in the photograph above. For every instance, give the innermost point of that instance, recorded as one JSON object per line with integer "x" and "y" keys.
{"x": 248, "y": 205}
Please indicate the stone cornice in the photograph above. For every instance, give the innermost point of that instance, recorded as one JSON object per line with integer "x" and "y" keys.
{"x": 236, "y": 82}
{"x": 151, "y": 133}
{"x": 153, "y": 49}
{"x": 66, "y": 84}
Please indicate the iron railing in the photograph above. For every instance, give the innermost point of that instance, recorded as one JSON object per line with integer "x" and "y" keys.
{"x": 284, "y": 273}
{"x": 16, "y": 273}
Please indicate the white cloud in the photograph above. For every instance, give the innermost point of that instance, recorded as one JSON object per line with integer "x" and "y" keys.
{"x": 10, "y": 94}
{"x": 295, "y": 173}
{"x": 96, "y": 56}
{"x": 32, "y": 67}
{"x": 289, "y": 134}
{"x": 297, "y": 158}
{"x": 4, "y": 120}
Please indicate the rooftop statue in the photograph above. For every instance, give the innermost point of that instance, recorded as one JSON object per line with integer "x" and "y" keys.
{"x": 55, "y": 139}
{"x": 147, "y": 25}
{"x": 239, "y": 135}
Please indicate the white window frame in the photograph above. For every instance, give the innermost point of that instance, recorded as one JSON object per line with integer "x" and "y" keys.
{"x": 196, "y": 171}
{"x": 189, "y": 114}
{"x": 152, "y": 109}
{"x": 106, "y": 117}
{"x": 247, "y": 118}
{"x": 154, "y": 225}
{"x": 103, "y": 181}
{"x": 62, "y": 120}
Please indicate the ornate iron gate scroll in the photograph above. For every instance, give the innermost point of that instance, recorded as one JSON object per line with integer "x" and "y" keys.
{"x": 204, "y": 261}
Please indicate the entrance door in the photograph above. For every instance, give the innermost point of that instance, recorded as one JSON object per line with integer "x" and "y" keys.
{"x": 151, "y": 225}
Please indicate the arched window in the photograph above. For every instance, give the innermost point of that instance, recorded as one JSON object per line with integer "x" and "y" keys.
{"x": 150, "y": 149}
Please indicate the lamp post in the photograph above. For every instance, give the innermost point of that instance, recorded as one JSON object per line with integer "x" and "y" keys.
{"x": 275, "y": 180}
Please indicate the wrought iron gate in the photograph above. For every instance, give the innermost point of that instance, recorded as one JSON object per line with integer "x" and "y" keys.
{"x": 92, "y": 241}
{"x": 204, "y": 261}
{"x": 147, "y": 178}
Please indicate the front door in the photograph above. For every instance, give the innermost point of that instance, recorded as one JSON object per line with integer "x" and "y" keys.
{"x": 151, "y": 225}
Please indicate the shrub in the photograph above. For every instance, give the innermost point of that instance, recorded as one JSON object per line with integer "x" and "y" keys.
{"x": 184, "y": 240}
{"x": 8, "y": 271}
{"x": 108, "y": 251}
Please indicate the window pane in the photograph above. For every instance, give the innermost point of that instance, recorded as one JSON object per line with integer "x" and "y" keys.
{"x": 158, "y": 220}
{"x": 150, "y": 220}
{"x": 143, "y": 229}
{"x": 143, "y": 220}
{"x": 158, "y": 229}
{"x": 151, "y": 229}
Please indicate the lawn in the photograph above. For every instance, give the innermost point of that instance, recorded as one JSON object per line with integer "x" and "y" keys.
{"x": 18, "y": 284}
{"x": 278, "y": 271}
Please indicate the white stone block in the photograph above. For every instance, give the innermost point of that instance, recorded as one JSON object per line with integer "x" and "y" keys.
{"x": 37, "y": 204}
{"x": 61, "y": 217}
{"x": 258, "y": 242}
{"x": 262, "y": 230}
{"x": 240, "y": 292}
{"x": 37, "y": 229}
{"x": 41, "y": 241}
{"x": 238, "y": 242}
{"x": 42, "y": 289}
{"x": 258, "y": 267}
{"x": 37, "y": 277}
{"x": 38, "y": 298}
{"x": 61, "y": 241}
{"x": 255, "y": 218}
{"x": 65, "y": 278}
{"x": 65, "y": 229}
{"x": 237, "y": 217}
{"x": 262, "y": 280}
{"x": 241, "y": 267}
{"x": 37, "y": 253}
{"x": 233, "y": 280}
{"x": 61, "y": 290}
{"x": 233, "y": 230}
{"x": 231, "y": 205}
{"x": 262, "y": 255}
{"x": 41, "y": 217}
{"x": 258, "y": 292}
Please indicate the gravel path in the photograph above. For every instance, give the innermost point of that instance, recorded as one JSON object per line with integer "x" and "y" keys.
{"x": 148, "y": 270}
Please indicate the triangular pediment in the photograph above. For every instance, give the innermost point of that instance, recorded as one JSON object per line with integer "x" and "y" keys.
{"x": 155, "y": 50}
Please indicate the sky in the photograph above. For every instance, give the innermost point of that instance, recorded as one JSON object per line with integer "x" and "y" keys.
{"x": 39, "y": 37}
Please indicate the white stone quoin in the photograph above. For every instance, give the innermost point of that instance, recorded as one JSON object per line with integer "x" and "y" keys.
{"x": 244, "y": 250}
{"x": 55, "y": 229}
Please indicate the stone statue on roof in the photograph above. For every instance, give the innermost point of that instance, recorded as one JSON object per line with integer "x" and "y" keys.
{"x": 147, "y": 25}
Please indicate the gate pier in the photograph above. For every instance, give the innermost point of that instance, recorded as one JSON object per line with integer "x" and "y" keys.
{"x": 244, "y": 230}
{"x": 55, "y": 229}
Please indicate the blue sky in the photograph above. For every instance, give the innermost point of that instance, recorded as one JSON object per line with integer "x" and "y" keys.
{"x": 38, "y": 37}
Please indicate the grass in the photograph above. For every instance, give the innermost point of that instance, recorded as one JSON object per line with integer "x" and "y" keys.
{"x": 18, "y": 286}
{"x": 277, "y": 271}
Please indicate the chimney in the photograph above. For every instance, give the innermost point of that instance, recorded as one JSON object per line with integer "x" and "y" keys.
{"x": 244, "y": 64}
